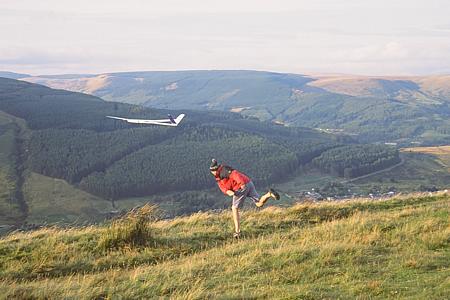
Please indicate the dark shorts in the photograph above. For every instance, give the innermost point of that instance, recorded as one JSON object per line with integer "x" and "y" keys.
{"x": 250, "y": 192}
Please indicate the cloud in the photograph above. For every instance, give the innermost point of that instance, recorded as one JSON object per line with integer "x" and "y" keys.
{"x": 378, "y": 52}
{"x": 287, "y": 35}
{"x": 394, "y": 50}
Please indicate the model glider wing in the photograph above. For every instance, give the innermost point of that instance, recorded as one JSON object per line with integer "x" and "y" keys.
{"x": 165, "y": 122}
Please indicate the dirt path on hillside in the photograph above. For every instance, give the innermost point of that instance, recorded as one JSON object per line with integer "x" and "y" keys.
{"x": 21, "y": 135}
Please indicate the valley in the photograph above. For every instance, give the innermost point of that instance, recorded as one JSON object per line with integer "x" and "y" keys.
{"x": 76, "y": 166}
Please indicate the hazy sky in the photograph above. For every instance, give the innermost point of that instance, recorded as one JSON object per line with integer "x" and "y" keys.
{"x": 378, "y": 37}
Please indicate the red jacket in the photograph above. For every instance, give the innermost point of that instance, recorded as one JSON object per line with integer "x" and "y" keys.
{"x": 234, "y": 181}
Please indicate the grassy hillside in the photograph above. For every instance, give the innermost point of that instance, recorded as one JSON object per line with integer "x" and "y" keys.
{"x": 416, "y": 89}
{"x": 399, "y": 249}
{"x": 442, "y": 153}
{"x": 53, "y": 200}
{"x": 374, "y": 109}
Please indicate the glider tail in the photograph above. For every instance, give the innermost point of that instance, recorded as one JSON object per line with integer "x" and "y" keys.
{"x": 179, "y": 118}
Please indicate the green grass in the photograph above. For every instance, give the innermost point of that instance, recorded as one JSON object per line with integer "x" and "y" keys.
{"x": 398, "y": 248}
{"x": 54, "y": 200}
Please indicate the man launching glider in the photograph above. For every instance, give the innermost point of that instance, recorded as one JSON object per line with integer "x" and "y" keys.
{"x": 239, "y": 186}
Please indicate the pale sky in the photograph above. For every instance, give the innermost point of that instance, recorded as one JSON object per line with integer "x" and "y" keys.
{"x": 371, "y": 37}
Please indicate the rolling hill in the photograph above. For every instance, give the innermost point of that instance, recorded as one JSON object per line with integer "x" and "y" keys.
{"x": 410, "y": 89}
{"x": 359, "y": 249}
{"x": 373, "y": 109}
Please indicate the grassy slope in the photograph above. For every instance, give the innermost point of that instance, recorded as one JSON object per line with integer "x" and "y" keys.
{"x": 441, "y": 152}
{"x": 54, "y": 200}
{"x": 398, "y": 248}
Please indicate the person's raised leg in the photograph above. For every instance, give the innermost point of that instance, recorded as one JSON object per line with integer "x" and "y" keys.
{"x": 263, "y": 199}
{"x": 270, "y": 194}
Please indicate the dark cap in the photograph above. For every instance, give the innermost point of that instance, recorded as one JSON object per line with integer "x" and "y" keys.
{"x": 214, "y": 165}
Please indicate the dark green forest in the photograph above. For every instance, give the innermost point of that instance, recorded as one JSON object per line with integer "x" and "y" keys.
{"x": 72, "y": 154}
{"x": 183, "y": 165}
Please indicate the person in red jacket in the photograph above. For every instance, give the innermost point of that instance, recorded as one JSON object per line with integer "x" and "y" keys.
{"x": 239, "y": 186}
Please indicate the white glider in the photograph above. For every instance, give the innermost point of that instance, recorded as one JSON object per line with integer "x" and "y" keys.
{"x": 164, "y": 122}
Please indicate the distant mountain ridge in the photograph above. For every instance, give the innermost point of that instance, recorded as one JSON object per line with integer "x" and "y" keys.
{"x": 431, "y": 87}
{"x": 12, "y": 75}
{"x": 403, "y": 88}
{"x": 375, "y": 109}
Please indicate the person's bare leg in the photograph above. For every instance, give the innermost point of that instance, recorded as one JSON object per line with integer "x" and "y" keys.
{"x": 263, "y": 199}
{"x": 237, "y": 225}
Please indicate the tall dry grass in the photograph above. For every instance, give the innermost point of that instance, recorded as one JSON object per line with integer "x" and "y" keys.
{"x": 397, "y": 248}
{"x": 131, "y": 230}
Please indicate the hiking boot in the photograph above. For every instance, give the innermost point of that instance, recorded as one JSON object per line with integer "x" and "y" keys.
{"x": 237, "y": 235}
{"x": 274, "y": 194}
